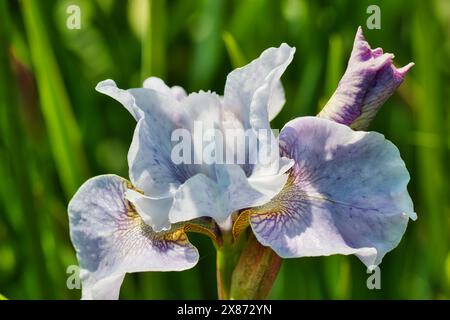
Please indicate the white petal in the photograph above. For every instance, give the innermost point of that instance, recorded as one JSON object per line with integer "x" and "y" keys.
{"x": 201, "y": 196}
{"x": 157, "y": 84}
{"x": 154, "y": 211}
{"x": 253, "y": 92}
{"x": 158, "y": 114}
{"x": 198, "y": 197}
{"x": 110, "y": 88}
{"x": 238, "y": 193}
{"x": 150, "y": 99}
{"x": 178, "y": 92}
{"x": 111, "y": 239}
{"x": 204, "y": 107}
{"x": 277, "y": 100}
{"x": 261, "y": 74}
{"x": 271, "y": 184}
{"x": 204, "y": 113}
{"x": 104, "y": 289}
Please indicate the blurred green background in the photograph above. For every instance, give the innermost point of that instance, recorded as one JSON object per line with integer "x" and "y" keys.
{"x": 56, "y": 131}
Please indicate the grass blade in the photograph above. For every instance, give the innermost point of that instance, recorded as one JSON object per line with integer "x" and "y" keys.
{"x": 62, "y": 128}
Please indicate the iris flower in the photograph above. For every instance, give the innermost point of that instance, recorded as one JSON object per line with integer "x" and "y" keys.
{"x": 328, "y": 189}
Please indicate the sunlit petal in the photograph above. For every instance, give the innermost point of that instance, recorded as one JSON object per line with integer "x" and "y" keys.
{"x": 260, "y": 77}
{"x": 111, "y": 239}
{"x": 346, "y": 194}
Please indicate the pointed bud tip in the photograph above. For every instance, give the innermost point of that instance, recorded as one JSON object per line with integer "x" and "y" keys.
{"x": 359, "y": 32}
{"x": 400, "y": 73}
{"x": 359, "y": 37}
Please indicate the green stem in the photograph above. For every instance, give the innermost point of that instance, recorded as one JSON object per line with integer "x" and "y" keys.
{"x": 224, "y": 267}
{"x": 245, "y": 268}
{"x": 227, "y": 257}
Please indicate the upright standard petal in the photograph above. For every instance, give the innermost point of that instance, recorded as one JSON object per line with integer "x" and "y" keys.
{"x": 255, "y": 94}
{"x": 111, "y": 239}
{"x": 158, "y": 113}
{"x": 346, "y": 194}
{"x": 109, "y": 88}
{"x": 370, "y": 79}
{"x": 149, "y": 159}
{"x": 261, "y": 76}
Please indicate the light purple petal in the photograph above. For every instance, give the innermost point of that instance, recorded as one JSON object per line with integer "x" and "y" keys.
{"x": 158, "y": 114}
{"x": 111, "y": 239}
{"x": 347, "y": 194}
{"x": 149, "y": 160}
{"x": 370, "y": 79}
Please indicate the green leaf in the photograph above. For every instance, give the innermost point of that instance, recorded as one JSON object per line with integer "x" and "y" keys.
{"x": 236, "y": 56}
{"x": 62, "y": 128}
{"x": 153, "y": 55}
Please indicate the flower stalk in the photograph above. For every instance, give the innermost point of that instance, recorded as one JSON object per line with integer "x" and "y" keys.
{"x": 255, "y": 272}
{"x": 246, "y": 270}
{"x": 227, "y": 258}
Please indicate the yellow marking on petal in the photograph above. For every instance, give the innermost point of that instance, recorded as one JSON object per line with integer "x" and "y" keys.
{"x": 269, "y": 210}
{"x": 129, "y": 185}
{"x": 178, "y": 231}
{"x": 241, "y": 223}
{"x": 178, "y": 236}
{"x": 198, "y": 228}
{"x": 273, "y": 207}
{"x": 131, "y": 210}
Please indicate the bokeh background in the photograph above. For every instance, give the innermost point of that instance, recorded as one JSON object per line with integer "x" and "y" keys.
{"x": 56, "y": 131}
